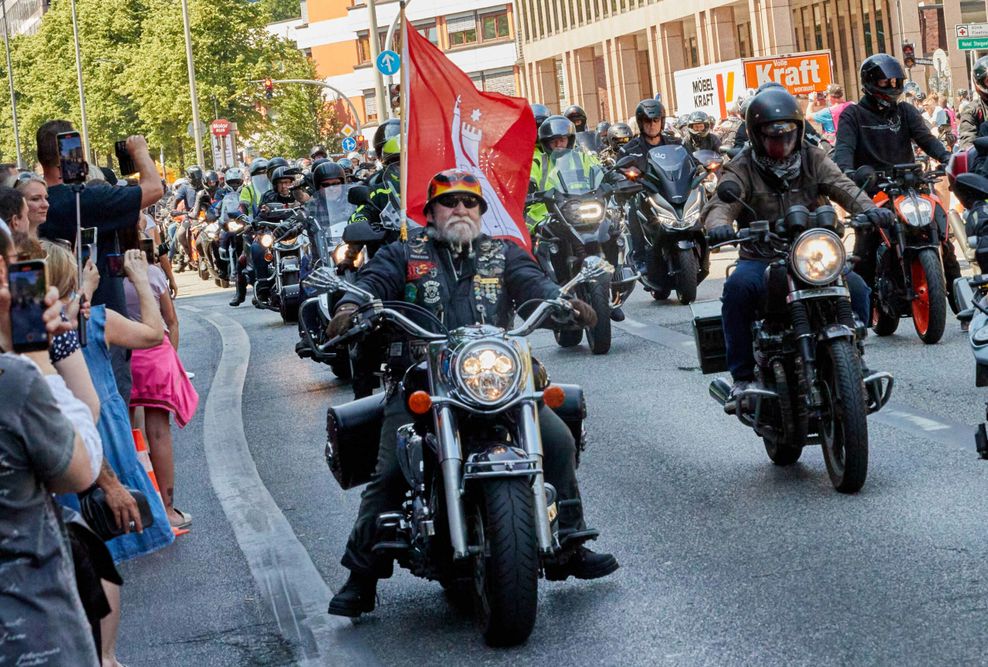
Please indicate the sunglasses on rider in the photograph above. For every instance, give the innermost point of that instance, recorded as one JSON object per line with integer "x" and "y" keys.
{"x": 451, "y": 201}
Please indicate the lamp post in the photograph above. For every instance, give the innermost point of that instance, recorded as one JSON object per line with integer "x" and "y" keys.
{"x": 196, "y": 129}
{"x": 10, "y": 80}
{"x": 383, "y": 105}
{"x": 82, "y": 89}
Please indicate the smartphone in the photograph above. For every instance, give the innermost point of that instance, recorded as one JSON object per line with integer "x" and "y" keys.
{"x": 115, "y": 264}
{"x": 28, "y": 284}
{"x": 73, "y": 159}
{"x": 127, "y": 166}
{"x": 87, "y": 249}
{"x": 147, "y": 245}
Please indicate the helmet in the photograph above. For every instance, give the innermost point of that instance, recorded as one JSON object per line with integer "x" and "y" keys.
{"x": 318, "y": 161}
{"x": 775, "y": 124}
{"x": 579, "y": 117}
{"x": 980, "y": 75}
{"x": 698, "y": 124}
{"x": 258, "y": 166}
{"x": 602, "y": 127}
{"x": 386, "y": 130}
{"x": 391, "y": 150}
{"x": 284, "y": 172}
{"x": 328, "y": 171}
{"x": 372, "y": 154}
{"x": 769, "y": 84}
{"x": 234, "y": 177}
{"x": 273, "y": 164}
{"x": 555, "y": 127}
{"x": 649, "y": 110}
{"x": 211, "y": 179}
{"x": 346, "y": 164}
{"x": 541, "y": 112}
{"x": 194, "y": 174}
{"x": 317, "y": 151}
{"x": 454, "y": 180}
{"x": 879, "y": 67}
{"x": 618, "y": 135}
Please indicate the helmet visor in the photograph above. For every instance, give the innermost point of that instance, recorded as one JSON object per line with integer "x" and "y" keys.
{"x": 261, "y": 183}
{"x": 779, "y": 139}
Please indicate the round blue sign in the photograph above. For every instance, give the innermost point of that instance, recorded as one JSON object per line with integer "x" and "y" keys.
{"x": 349, "y": 144}
{"x": 388, "y": 62}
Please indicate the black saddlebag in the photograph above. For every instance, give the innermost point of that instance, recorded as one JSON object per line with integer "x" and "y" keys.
{"x": 709, "y": 335}
{"x": 353, "y": 435}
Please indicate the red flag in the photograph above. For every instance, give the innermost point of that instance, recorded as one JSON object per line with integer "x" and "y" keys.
{"x": 452, "y": 124}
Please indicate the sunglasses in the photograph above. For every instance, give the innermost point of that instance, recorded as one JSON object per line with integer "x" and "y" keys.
{"x": 451, "y": 201}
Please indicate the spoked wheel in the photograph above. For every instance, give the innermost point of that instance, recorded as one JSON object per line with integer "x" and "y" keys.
{"x": 843, "y": 422}
{"x": 686, "y": 278}
{"x": 506, "y": 573}
{"x": 930, "y": 305}
{"x": 599, "y": 335}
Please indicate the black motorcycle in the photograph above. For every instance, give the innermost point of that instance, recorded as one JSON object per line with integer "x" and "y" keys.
{"x": 479, "y": 517}
{"x": 280, "y": 232}
{"x": 676, "y": 250}
{"x": 583, "y": 221}
{"x": 807, "y": 358}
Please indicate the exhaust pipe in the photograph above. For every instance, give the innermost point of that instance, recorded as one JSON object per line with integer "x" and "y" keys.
{"x": 720, "y": 390}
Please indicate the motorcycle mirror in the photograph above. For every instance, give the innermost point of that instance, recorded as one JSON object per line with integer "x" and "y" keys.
{"x": 729, "y": 192}
{"x": 981, "y": 145}
{"x": 358, "y": 195}
{"x": 626, "y": 161}
{"x": 360, "y": 233}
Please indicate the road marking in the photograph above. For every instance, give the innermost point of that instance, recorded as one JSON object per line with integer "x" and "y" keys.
{"x": 291, "y": 585}
{"x": 658, "y": 334}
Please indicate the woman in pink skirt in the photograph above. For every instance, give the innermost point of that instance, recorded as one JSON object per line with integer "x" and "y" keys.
{"x": 162, "y": 388}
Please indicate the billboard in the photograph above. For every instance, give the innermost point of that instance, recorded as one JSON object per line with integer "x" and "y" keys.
{"x": 709, "y": 88}
{"x": 800, "y": 73}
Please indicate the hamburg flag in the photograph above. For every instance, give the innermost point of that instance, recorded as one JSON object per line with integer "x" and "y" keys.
{"x": 453, "y": 125}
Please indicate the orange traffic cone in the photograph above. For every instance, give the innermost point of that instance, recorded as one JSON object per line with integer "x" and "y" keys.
{"x": 145, "y": 458}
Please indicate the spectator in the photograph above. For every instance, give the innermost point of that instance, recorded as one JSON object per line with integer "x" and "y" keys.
{"x": 13, "y": 209}
{"x": 40, "y": 453}
{"x": 35, "y": 192}
{"x": 963, "y": 100}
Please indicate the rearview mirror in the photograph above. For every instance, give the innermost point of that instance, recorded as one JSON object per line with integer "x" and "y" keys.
{"x": 729, "y": 192}
{"x": 626, "y": 161}
{"x": 358, "y": 195}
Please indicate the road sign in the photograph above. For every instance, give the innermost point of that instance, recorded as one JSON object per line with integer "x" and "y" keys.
{"x": 220, "y": 127}
{"x": 347, "y": 130}
{"x": 972, "y": 43}
{"x": 971, "y": 36}
{"x": 191, "y": 131}
{"x": 349, "y": 144}
{"x": 924, "y": 61}
{"x": 388, "y": 62}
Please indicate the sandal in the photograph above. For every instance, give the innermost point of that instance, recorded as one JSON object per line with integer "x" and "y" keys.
{"x": 184, "y": 523}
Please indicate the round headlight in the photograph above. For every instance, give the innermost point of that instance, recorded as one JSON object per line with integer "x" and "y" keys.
{"x": 339, "y": 253}
{"x": 488, "y": 372}
{"x": 818, "y": 256}
{"x": 267, "y": 240}
{"x": 234, "y": 226}
{"x": 917, "y": 212}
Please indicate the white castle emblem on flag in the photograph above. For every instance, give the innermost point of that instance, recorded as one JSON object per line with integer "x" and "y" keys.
{"x": 466, "y": 144}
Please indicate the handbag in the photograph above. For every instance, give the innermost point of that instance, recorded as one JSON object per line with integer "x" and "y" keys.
{"x": 99, "y": 516}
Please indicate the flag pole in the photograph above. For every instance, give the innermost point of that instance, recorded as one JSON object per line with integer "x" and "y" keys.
{"x": 403, "y": 103}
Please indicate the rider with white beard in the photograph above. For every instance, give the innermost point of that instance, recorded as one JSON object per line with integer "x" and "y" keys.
{"x": 463, "y": 277}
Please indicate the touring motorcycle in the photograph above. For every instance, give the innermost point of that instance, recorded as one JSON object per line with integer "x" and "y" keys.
{"x": 280, "y": 231}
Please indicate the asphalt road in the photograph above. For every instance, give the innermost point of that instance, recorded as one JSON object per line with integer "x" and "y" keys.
{"x": 725, "y": 558}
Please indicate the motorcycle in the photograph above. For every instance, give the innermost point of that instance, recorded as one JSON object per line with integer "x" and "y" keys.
{"x": 972, "y": 297}
{"x": 965, "y": 165}
{"x": 811, "y": 389}
{"x": 677, "y": 256}
{"x": 581, "y": 223}
{"x": 909, "y": 276}
{"x": 280, "y": 232}
{"x": 479, "y": 516}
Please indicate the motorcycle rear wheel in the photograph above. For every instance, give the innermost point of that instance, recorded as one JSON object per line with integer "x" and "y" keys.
{"x": 929, "y": 308}
{"x": 510, "y": 571}
{"x": 288, "y": 312}
{"x": 844, "y": 425}
{"x": 883, "y": 323}
{"x": 686, "y": 278}
{"x": 599, "y": 335}
{"x": 568, "y": 337}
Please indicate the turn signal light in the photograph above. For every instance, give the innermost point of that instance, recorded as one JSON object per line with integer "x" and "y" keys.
{"x": 554, "y": 396}
{"x": 268, "y": 256}
{"x": 419, "y": 402}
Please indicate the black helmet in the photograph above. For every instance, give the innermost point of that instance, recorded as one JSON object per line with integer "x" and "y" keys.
{"x": 555, "y": 127}
{"x": 698, "y": 124}
{"x": 273, "y": 164}
{"x": 775, "y": 124}
{"x": 980, "y": 76}
{"x": 386, "y": 130}
{"x": 194, "y": 174}
{"x": 618, "y": 135}
{"x": 579, "y": 117}
{"x": 328, "y": 171}
{"x": 258, "y": 166}
{"x": 769, "y": 84}
{"x": 283, "y": 172}
{"x": 346, "y": 164}
{"x": 649, "y": 110}
{"x": 317, "y": 151}
{"x": 602, "y": 127}
{"x": 879, "y": 67}
{"x": 211, "y": 179}
{"x": 318, "y": 161}
{"x": 541, "y": 112}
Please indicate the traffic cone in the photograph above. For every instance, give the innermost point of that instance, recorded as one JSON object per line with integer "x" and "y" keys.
{"x": 145, "y": 458}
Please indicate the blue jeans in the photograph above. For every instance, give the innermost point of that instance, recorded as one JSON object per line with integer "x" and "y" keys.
{"x": 743, "y": 295}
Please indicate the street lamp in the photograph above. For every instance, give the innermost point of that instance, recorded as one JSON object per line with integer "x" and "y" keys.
{"x": 82, "y": 90}
{"x": 196, "y": 130}
{"x": 10, "y": 80}
{"x": 383, "y": 107}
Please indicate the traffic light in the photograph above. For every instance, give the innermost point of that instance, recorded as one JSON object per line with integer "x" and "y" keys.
{"x": 268, "y": 89}
{"x": 394, "y": 95}
{"x": 908, "y": 55}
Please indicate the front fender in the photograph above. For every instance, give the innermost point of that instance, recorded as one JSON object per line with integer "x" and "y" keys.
{"x": 685, "y": 244}
{"x": 836, "y": 331}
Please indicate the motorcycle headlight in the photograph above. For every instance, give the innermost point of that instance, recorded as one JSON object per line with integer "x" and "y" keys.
{"x": 234, "y": 226}
{"x": 584, "y": 212}
{"x": 818, "y": 256}
{"x": 267, "y": 239}
{"x": 488, "y": 372}
{"x": 212, "y": 228}
{"x": 917, "y": 212}
{"x": 339, "y": 253}
{"x": 668, "y": 220}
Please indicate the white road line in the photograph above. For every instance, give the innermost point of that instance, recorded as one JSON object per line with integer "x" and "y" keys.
{"x": 287, "y": 578}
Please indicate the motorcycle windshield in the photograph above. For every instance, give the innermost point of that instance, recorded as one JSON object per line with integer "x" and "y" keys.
{"x": 230, "y": 207}
{"x": 588, "y": 141}
{"x": 571, "y": 176}
{"x": 670, "y": 171}
{"x": 330, "y": 212}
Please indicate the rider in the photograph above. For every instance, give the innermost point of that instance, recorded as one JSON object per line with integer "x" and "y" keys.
{"x": 972, "y": 117}
{"x": 186, "y": 196}
{"x": 879, "y": 132}
{"x": 557, "y": 133}
{"x": 601, "y": 131}
{"x": 318, "y": 151}
{"x": 207, "y": 198}
{"x": 776, "y": 171}
{"x": 250, "y": 194}
{"x": 577, "y": 116}
{"x": 699, "y": 136}
{"x": 233, "y": 180}
{"x": 439, "y": 270}
{"x": 618, "y": 135}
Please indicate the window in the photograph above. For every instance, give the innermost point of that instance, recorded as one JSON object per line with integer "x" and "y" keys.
{"x": 363, "y": 45}
{"x": 429, "y": 31}
{"x": 370, "y": 104}
{"x": 462, "y": 29}
{"x": 473, "y": 28}
{"x": 494, "y": 25}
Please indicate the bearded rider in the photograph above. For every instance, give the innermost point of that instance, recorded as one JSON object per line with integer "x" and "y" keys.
{"x": 776, "y": 171}
{"x": 879, "y": 132}
{"x": 438, "y": 271}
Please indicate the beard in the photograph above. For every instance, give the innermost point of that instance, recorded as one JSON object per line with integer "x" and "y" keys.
{"x": 459, "y": 230}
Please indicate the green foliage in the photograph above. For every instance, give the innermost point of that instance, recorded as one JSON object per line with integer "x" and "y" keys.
{"x": 281, "y": 10}
{"x": 134, "y": 70}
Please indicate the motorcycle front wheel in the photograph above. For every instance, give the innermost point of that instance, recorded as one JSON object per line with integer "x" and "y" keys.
{"x": 288, "y": 311}
{"x": 686, "y": 277}
{"x": 599, "y": 335}
{"x": 930, "y": 305}
{"x": 843, "y": 424}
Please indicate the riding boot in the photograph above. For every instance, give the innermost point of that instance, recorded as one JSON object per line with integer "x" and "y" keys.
{"x": 241, "y": 294}
{"x": 356, "y": 597}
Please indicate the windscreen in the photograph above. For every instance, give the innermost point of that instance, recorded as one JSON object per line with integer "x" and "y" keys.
{"x": 574, "y": 174}
{"x": 671, "y": 171}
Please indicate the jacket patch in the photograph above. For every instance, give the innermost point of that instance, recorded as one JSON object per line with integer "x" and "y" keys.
{"x": 419, "y": 269}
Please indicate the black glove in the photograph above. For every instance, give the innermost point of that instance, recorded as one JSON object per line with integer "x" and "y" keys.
{"x": 721, "y": 234}
{"x": 584, "y": 313}
{"x": 342, "y": 320}
{"x": 880, "y": 217}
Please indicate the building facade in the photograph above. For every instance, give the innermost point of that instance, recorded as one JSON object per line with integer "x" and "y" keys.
{"x": 478, "y": 35}
{"x": 23, "y": 16}
{"x": 606, "y": 55}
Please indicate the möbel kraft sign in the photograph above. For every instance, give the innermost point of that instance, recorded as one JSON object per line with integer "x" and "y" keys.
{"x": 800, "y": 73}
{"x": 710, "y": 88}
